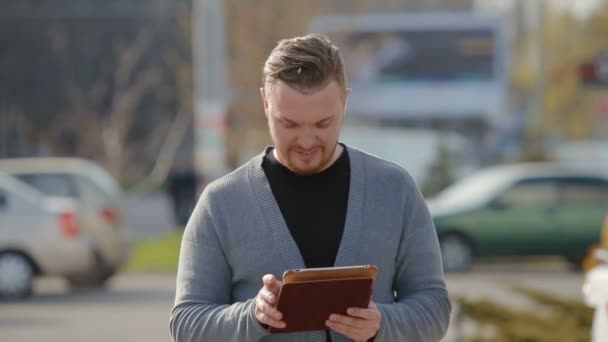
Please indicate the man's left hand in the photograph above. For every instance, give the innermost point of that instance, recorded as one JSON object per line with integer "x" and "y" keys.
{"x": 360, "y": 324}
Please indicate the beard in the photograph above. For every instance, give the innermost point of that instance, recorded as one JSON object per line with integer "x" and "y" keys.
{"x": 311, "y": 161}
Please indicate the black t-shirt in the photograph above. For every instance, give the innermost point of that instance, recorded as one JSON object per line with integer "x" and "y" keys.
{"x": 313, "y": 206}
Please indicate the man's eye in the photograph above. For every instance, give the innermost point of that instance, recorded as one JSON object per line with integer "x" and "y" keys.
{"x": 323, "y": 124}
{"x": 289, "y": 125}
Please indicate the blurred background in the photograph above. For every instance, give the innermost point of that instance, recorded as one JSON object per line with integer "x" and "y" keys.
{"x": 114, "y": 115}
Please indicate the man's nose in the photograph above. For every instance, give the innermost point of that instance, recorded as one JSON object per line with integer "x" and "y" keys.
{"x": 307, "y": 140}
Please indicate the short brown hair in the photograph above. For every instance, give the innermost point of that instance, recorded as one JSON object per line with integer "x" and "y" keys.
{"x": 305, "y": 63}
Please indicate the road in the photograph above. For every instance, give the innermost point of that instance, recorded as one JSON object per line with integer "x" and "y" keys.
{"x": 136, "y": 307}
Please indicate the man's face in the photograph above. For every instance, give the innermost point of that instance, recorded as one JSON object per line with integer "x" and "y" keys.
{"x": 304, "y": 126}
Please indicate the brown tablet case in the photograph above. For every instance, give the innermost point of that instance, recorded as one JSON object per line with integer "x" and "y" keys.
{"x": 308, "y": 298}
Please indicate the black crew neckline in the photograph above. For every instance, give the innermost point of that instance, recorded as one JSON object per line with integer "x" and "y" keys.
{"x": 313, "y": 207}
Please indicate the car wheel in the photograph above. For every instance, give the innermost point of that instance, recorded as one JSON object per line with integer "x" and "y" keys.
{"x": 98, "y": 280}
{"x": 16, "y": 276}
{"x": 456, "y": 253}
{"x": 575, "y": 262}
{"x": 88, "y": 282}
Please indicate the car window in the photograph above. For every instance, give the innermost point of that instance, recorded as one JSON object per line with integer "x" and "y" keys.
{"x": 90, "y": 194}
{"x": 531, "y": 193}
{"x": 103, "y": 181}
{"x": 14, "y": 189}
{"x": 51, "y": 184}
{"x": 17, "y": 198}
{"x": 476, "y": 189}
{"x": 584, "y": 191}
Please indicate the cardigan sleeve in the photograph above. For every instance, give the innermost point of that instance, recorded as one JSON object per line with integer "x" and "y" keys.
{"x": 421, "y": 310}
{"x": 202, "y": 309}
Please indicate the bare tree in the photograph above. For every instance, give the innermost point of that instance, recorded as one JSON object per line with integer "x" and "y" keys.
{"x": 129, "y": 89}
{"x": 108, "y": 125}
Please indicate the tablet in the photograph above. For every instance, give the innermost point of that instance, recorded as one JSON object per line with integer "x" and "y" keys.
{"x": 309, "y": 296}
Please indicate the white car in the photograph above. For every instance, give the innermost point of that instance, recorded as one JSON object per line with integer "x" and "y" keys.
{"x": 595, "y": 289}
{"x": 99, "y": 205}
{"x": 39, "y": 236}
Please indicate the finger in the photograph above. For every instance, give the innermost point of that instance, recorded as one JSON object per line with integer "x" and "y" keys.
{"x": 266, "y": 319}
{"x": 351, "y": 332}
{"x": 263, "y": 307}
{"x": 271, "y": 282}
{"x": 369, "y": 314}
{"x": 268, "y": 296}
{"x": 354, "y": 322}
{"x": 269, "y": 279}
{"x": 346, "y": 320}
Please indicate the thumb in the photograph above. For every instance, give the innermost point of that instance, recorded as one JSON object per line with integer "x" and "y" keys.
{"x": 271, "y": 282}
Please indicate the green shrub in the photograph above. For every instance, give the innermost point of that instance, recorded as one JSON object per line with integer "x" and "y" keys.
{"x": 156, "y": 255}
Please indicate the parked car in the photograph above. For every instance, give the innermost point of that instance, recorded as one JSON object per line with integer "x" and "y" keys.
{"x": 595, "y": 288}
{"x": 39, "y": 236}
{"x": 520, "y": 210}
{"x": 98, "y": 198}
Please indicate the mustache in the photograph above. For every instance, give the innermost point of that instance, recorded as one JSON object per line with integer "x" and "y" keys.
{"x": 301, "y": 149}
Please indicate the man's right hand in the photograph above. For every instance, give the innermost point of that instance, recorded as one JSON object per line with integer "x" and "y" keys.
{"x": 265, "y": 302}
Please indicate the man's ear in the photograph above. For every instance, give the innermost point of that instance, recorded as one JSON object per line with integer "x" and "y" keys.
{"x": 346, "y": 98}
{"x": 264, "y": 100}
{"x": 348, "y": 92}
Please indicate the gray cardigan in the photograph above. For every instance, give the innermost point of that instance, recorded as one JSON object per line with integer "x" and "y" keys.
{"x": 236, "y": 235}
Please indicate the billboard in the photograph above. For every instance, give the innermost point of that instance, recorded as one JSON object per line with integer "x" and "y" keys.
{"x": 419, "y": 56}
{"x": 423, "y": 65}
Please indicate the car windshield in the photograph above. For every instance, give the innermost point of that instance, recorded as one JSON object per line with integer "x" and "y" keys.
{"x": 476, "y": 189}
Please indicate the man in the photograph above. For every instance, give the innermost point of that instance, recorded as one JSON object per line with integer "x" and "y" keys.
{"x": 308, "y": 202}
{"x": 182, "y": 188}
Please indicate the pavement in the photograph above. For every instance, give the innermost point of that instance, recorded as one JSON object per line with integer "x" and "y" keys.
{"x": 135, "y": 307}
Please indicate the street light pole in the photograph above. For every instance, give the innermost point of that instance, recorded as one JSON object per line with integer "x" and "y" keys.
{"x": 535, "y": 115}
{"x": 210, "y": 88}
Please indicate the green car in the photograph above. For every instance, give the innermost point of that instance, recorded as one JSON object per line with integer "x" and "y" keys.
{"x": 520, "y": 210}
